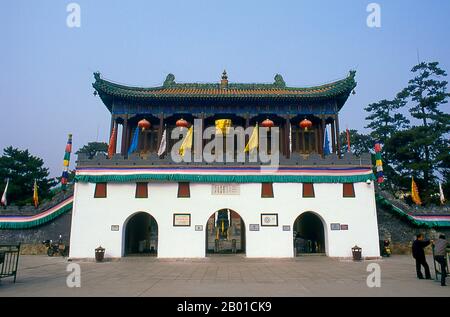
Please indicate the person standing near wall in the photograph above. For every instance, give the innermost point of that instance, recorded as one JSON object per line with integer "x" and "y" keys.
{"x": 419, "y": 255}
{"x": 440, "y": 247}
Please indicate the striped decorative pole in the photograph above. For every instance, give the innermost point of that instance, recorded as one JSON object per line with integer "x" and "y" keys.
{"x": 65, "y": 173}
{"x": 379, "y": 163}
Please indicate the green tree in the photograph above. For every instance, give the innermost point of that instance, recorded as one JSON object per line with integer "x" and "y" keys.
{"x": 385, "y": 120}
{"x": 92, "y": 148}
{"x": 427, "y": 93}
{"x": 359, "y": 143}
{"x": 22, "y": 169}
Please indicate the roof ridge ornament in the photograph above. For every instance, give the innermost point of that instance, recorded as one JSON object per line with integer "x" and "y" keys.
{"x": 97, "y": 76}
{"x": 170, "y": 80}
{"x": 224, "y": 81}
{"x": 279, "y": 81}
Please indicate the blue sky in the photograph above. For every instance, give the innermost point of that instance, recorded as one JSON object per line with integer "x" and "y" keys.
{"x": 46, "y": 68}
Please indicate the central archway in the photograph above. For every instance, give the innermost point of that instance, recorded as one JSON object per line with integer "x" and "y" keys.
{"x": 309, "y": 234}
{"x": 141, "y": 235}
{"x": 225, "y": 233}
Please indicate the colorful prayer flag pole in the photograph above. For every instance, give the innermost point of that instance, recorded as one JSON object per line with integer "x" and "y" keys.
{"x": 379, "y": 163}
{"x": 65, "y": 173}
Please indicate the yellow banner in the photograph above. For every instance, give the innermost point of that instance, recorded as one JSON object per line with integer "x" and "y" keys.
{"x": 222, "y": 126}
{"x": 187, "y": 143}
{"x": 35, "y": 194}
{"x": 253, "y": 142}
{"x": 415, "y": 193}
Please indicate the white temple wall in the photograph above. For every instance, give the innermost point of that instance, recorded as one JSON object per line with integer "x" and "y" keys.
{"x": 92, "y": 218}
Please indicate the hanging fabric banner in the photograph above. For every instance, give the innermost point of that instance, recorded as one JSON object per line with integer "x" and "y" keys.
{"x": 163, "y": 144}
{"x": 415, "y": 192}
{"x": 134, "y": 142}
{"x": 187, "y": 143}
{"x": 112, "y": 142}
{"x": 4, "y": 200}
{"x": 326, "y": 144}
{"x": 35, "y": 195}
{"x": 222, "y": 126}
{"x": 253, "y": 142}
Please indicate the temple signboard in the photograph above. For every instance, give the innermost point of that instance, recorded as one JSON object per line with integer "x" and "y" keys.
{"x": 225, "y": 189}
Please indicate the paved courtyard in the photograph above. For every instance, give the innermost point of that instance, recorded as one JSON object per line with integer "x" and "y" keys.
{"x": 220, "y": 276}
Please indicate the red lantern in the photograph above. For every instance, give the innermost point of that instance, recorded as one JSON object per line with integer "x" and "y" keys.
{"x": 182, "y": 123}
{"x": 267, "y": 123}
{"x": 144, "y": 125}
{"x": 305, "y": 124}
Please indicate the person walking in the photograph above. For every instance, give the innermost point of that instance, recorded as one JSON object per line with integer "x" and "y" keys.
{"x": 419, "y": 255}
{"x": 440, "y": 249}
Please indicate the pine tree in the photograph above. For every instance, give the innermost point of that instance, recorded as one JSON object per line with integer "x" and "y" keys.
{"x": 427, "y": 93}
{"x": 93, "y": 148}
{"x": 22, "y": 169}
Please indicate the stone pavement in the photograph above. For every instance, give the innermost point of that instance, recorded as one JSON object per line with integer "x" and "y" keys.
{"x": 220, "y": 276}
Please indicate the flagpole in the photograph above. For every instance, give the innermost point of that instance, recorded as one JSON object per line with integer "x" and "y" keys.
{"x": 348, "y": 140}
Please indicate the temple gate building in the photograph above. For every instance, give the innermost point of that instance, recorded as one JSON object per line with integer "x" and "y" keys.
{"x": 139, "y": 201}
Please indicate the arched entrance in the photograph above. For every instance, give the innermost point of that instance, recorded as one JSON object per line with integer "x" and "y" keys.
{"x": 309, "y": 234}
{"x": 225, "y": 233}
{"x": 141, "y": 235}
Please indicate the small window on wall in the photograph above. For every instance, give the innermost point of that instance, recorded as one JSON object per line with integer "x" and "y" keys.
{"x": 348, "y": 190}
{"x": 308, "y": 190}
{"x": 141, "y": 190}
{"x": 183, "y": 190}
{"x": 266, "y": 190}
{"x": 100, "y": 190}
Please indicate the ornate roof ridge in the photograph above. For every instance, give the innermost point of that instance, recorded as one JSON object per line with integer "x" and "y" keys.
{"x": 170, "y": 83}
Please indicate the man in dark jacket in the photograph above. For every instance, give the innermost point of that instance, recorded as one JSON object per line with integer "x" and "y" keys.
{"x": 419, "y": 254}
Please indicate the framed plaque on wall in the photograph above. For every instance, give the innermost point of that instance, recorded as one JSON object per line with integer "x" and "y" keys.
{"x": 181, "y": 220}
{"x": 269, "y": 220}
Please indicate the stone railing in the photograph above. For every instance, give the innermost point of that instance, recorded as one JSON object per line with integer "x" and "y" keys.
{"x": 347, "y": 159}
